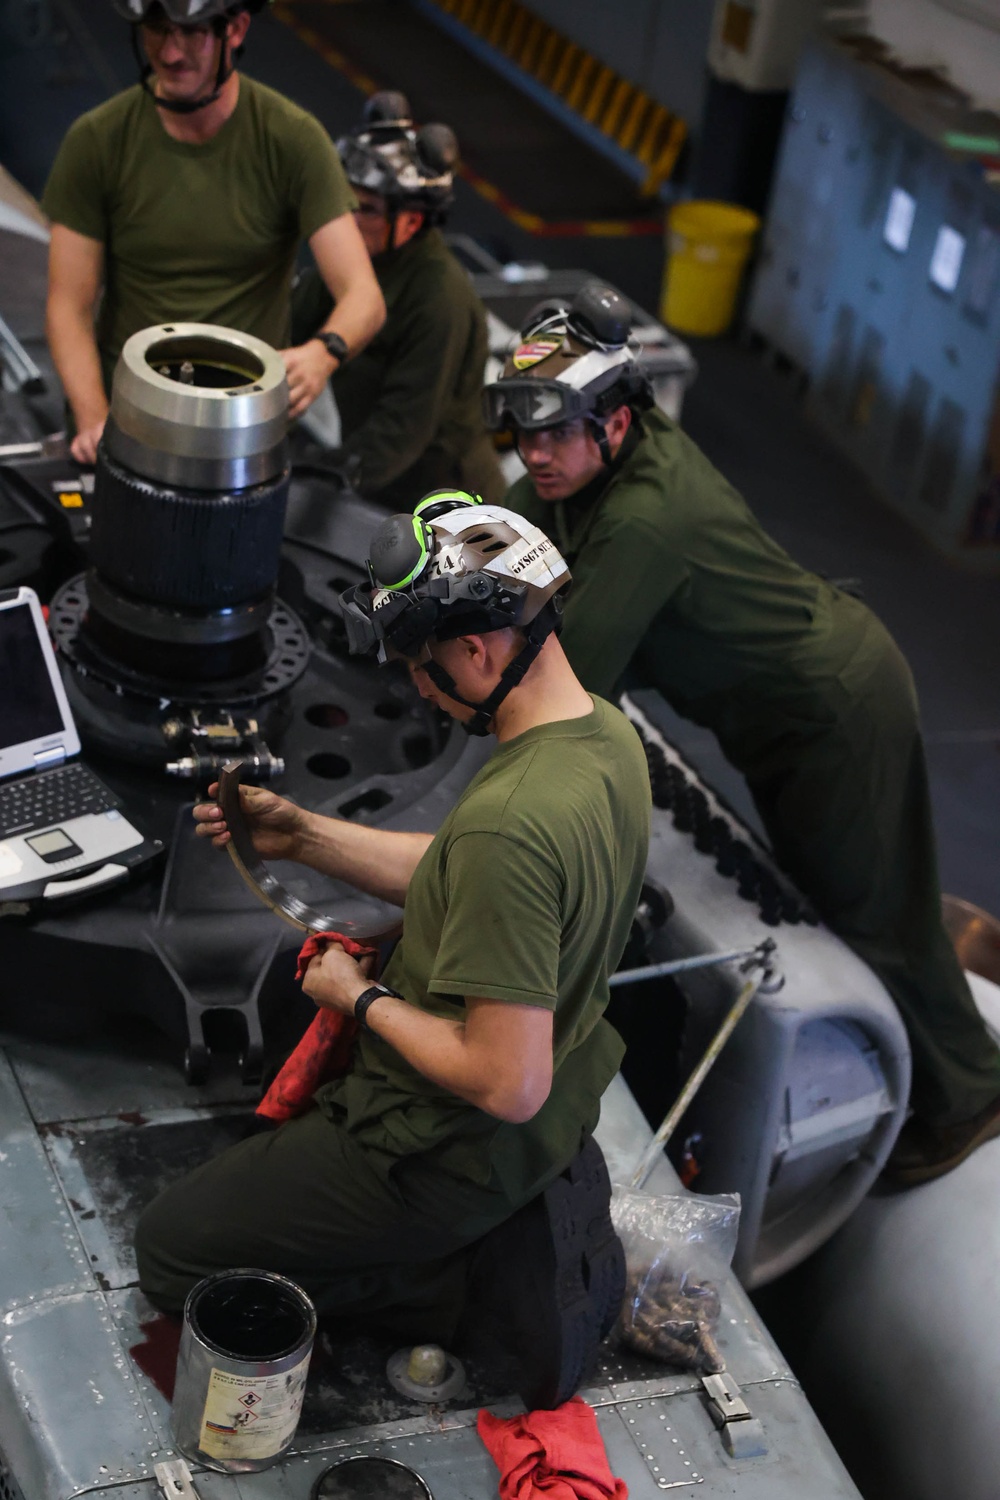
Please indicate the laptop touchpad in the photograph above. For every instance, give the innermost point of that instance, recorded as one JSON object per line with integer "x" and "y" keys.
{"x": 53, "y": 846}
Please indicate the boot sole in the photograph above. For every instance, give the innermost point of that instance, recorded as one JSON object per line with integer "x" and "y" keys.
{"x": 557, "y": 1269}
{"x": 905, "y": 1177}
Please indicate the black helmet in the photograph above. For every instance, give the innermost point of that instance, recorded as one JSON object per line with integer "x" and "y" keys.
{"x": 573, "y": 359}
{"x": 457, "y": 567}
{"x": 407, "y": 167}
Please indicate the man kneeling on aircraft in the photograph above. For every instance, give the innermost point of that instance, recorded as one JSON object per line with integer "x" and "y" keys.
{"x": 481, "y": 1060}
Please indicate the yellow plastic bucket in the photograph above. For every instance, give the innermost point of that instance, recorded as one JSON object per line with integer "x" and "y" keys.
{"x": 708, "y": 245}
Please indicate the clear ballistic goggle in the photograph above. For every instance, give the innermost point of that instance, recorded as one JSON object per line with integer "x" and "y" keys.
{"x": 533, "y": 404}
{"x": 180, "y": 12}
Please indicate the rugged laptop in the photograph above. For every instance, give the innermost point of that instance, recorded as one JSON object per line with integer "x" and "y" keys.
{"x": 62, "y": 831}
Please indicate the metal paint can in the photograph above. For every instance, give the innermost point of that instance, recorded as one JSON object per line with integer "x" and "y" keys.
{"x": 241, "y": 1369}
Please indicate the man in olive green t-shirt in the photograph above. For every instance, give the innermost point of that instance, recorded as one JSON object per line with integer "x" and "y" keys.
{"x": 810, "y": 698}
{"x": 482, "y": 1059}
{"x": 409, "y": 407}
{"x": 184, "y": 199}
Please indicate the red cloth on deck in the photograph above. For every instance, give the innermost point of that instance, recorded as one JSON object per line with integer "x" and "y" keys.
{"x": 551, "y": 1455}
{"x": 324, "y": 1051}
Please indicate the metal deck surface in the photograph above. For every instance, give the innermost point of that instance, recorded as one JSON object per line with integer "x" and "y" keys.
{"x": 88, "y": 1135}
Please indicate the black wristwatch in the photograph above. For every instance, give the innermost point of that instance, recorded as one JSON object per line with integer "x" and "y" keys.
{"x": 335, "y": 346}
{"x": 367, "y": 998}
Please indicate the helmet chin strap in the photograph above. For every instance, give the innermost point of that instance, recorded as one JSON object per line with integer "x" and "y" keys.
{"x": 535, "y": 636}
{"x": 599, "y": 433}
{"x": 185, "y": 106}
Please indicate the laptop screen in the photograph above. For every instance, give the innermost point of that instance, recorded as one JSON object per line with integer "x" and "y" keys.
{"x": 28, "y": 706}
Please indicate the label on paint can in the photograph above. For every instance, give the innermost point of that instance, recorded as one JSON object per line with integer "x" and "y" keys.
{"x": 250, "y": 1416}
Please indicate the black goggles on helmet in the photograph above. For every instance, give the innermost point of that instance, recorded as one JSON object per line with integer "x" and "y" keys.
{"x": 400, "y": 623}
{"x": 398, "y": 626}
{"x": 533, "y": 404}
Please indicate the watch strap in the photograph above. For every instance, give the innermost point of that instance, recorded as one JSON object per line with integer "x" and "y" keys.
{"x": 334, "y": 345}
{"x": 367, "y": 999}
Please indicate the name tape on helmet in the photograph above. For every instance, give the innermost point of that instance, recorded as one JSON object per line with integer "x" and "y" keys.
{"x": 532, "y": 559}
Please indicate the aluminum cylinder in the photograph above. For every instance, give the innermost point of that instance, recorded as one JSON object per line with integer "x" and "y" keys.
{"x": 241, "y": 1369}
{"x": 200, "y": 406}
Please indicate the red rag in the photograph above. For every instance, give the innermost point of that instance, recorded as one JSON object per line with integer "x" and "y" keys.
{"x": 324, "y": 1051}
{"x": 551, "y": 1455}
{"x": 156, "y": 1356}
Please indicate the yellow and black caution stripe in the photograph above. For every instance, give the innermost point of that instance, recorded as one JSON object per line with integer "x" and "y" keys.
{"x": 647, "y": 130}
{"x": 640, "y": 126}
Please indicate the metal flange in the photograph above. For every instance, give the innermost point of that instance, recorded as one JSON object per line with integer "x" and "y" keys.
{"x": 200, "y": 406}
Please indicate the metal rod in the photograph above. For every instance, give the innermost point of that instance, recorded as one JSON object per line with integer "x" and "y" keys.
{"x": 679, "y": 966}
{"x": 23, "y": 371}
{"x": 52, "y": 446}
{"x": 653, "y": 1151}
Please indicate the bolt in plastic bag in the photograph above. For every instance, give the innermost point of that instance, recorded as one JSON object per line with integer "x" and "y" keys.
{"x": 677, "y": 1251}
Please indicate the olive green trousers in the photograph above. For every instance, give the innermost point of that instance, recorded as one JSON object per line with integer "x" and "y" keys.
{"x": 842, "y": 790}
{"x": 307, "y": 1201}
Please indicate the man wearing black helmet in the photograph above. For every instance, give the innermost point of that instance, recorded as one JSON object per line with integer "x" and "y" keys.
{"x": 807, "y": 693}
{"x": 184, "y": 199}
{"x": 410, "y": 405}
{"x": 482, "y": 1056}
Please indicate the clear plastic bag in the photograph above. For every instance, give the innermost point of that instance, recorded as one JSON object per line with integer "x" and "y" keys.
{"x": 677, "y": 1250}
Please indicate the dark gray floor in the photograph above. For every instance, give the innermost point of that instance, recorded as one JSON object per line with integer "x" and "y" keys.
{"x": 747, "y": 418}
{"x": 753, "y": 425}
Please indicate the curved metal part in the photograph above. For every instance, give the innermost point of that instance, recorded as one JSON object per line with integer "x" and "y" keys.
{"x": 363, "y": 1474}
{"x": 269, "y": 889}
{"x": 201, "y": 406}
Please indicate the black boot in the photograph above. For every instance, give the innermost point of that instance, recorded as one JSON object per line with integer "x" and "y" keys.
{"x": 547, "y": 1285}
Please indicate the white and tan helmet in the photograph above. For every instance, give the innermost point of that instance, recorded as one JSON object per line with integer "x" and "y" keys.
{"x": 457, "y": 567}
{"x": 453, "y": 567}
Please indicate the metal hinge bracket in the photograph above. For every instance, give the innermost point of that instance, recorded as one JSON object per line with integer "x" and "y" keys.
{"x": 174, "y": 1479}
{"x": 741, "y": 1433}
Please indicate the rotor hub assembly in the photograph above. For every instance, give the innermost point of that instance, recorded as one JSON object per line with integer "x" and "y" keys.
{"x": 189, "y": 505}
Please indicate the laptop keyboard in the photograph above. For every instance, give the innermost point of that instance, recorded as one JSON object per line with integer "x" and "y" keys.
{"x": 50, "y": 797}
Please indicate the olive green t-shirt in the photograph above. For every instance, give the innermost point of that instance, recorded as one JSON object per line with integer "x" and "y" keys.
{"x": 526, "y": 895}
{"x": 410, "y": 402}
{"x": 674, "y": 575}
{"x": 196, "y": 233}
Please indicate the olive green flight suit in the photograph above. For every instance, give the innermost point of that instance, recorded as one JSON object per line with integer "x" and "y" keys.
{"x": 409, "y": 402}
{"x": 810, "y": 699}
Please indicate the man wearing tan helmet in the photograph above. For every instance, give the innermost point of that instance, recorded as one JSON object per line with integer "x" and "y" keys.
{"x": 483, "y": 1054}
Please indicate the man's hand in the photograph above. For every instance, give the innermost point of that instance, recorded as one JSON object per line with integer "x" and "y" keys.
{"x": 379, "y": 861}
{"x": 308, "y": 367}
{"x": 334, "y": 979}
{"x": 275, "y": 824}
{"x": 84, "y": 446}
